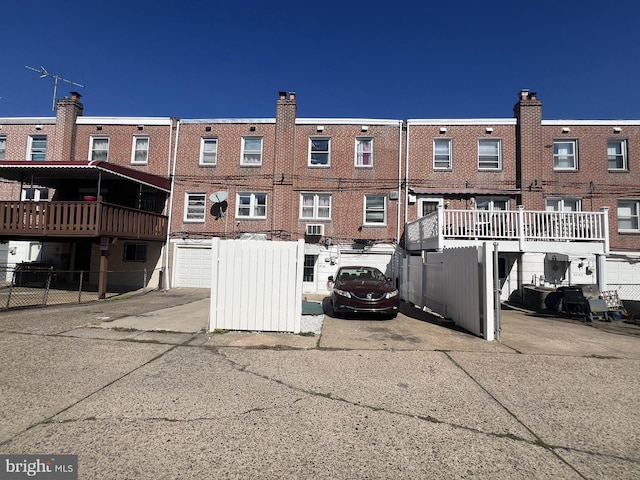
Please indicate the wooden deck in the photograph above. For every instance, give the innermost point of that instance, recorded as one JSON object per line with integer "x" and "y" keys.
{"x": 78, "y": 219}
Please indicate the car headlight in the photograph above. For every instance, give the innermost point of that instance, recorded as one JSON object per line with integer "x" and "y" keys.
{"x": 342, "y": 292}
{"x": 391, "y": 294}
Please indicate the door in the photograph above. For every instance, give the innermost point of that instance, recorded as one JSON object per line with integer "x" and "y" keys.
{"x": 310, "y": 274}
{"x": 192, "y": 267}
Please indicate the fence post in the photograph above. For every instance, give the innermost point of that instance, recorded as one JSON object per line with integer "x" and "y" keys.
{"x": 144, "y": 282}
{"x": 520, "y": 220}
{"x": 47, "y": 287}
{"x": 80, "y": 287}
{"x": 13, "y": 282}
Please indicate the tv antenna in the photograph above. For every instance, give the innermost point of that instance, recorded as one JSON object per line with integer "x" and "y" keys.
{"x": 44, "y": 73}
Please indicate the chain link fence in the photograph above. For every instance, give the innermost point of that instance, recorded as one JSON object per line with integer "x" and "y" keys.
{"x": 37, "y": 285}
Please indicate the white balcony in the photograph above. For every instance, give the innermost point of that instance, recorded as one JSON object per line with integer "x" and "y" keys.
{"x": 515, "y": 230}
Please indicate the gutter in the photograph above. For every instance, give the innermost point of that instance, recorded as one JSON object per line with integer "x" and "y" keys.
{"x": 173, "y": 183}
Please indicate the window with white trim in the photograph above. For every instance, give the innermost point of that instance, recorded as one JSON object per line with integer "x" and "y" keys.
{"x": 364, "y": 152}
{"x": 37, "y": 147}
{"x": 375, "y": 209}
{"x": 617, "y": 155}
{"x": 442, "y": 154}
{"x": 3, "y": 147}
{"x": 490, "y": 203}
{"x": 251, "y": 151}
{"x": 427, "y": 206}
{"x": 319, "y": 152}
{"x": 140, "y": 150}
{"x": 315, "y": 206}
{"x": 99, "y": 149}
{"x": 194, "y": 206}
{"x": 208, "y": 151}
{"x": 251, "y": 205}
{"x": 565, "y": 156}
{"x": 628, "y": 216}
{"x": 489, "y": 154}
{"x": 562, "y": 204}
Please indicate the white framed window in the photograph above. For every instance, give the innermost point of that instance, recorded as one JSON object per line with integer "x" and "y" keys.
{"x": 315, "y": 206}
{"x": 562, "y": 204}
{"x": 251, "y": 151}
{"x": 319, "y": 152}
{"x": 3, "y": 147}
{"x": 99, "y": 149}
{"x": 442, "y": 159}
{"x": 208, "y": 151}
{"x": 36, "y": 194}
{"x": 194, "y": 206}
{"x": 628, "y": 216}
{"x": 428, "y": 205}
{"x": 491, "y": 203}
{"x": 565, "y": 156}
{"x": 140, "y": 150}
{"x": 37, "y": 147}
{"x": 251, "y": 205}
{"x": 364, "y": 152}
{"x": 489, "y": 154}
{"x": 375, "y": 209}
{"x": 617, "y": 155}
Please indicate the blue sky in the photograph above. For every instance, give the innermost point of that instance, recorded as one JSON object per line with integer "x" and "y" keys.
{"x": 352, "y": 59}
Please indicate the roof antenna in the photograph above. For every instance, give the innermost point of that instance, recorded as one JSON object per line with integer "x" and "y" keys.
{"x": 44, "y": 73}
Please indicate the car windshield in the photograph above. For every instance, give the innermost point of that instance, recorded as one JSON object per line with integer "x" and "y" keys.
{"x": 360, "y": 274}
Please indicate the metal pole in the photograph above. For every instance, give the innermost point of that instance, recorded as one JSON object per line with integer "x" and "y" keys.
{"x": 80, "y": 287}
{"x": 496, "y": 291}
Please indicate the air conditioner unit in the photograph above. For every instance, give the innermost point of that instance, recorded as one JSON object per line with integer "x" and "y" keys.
{"x": 315, "y": 229}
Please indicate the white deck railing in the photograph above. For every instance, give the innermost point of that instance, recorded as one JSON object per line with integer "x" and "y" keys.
{"x": 521, "y": 225}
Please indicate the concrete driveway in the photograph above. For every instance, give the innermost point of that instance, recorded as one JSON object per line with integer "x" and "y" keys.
{"x": 402, "y": 398}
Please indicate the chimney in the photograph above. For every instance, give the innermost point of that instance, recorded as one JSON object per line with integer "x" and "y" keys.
{"x": 75, "y": 96}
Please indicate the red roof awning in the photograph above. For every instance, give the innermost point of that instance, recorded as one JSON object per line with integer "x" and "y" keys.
{"x": 46, "y": 173}
{"x": 462, "y": 191}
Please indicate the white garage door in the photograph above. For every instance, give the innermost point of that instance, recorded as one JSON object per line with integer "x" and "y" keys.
{"x": 381, "y": 261}
{"x": 193, "y": 267}
{"x": 623, "y": 274}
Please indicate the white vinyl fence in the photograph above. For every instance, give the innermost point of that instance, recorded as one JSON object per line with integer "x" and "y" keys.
{"x": 456, "y": 283}
{"x": 256, "y": 285}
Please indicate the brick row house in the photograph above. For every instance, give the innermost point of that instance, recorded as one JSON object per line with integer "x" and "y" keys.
{"x": 559, "y": 196}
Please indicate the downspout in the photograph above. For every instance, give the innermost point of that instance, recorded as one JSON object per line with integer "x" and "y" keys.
{"x": 399, "y": 179}
{"x": 165, "y": 247}
{"x": 406, "y": 184}
{"x": 173, "y": 182}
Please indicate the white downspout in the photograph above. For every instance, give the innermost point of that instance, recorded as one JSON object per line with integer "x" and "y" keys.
{"x": 406, "y": 176}
{"x": 165, "y": 247}
{"x": 173, "y": 182}
{"x": 399, "y": 179}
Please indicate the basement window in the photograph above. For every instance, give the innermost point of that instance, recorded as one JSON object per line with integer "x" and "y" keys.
{"x": 135, "y": 252}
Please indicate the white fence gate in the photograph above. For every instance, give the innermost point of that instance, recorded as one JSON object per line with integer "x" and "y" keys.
{"x": 256, "y": 285}
{"x": 456, "y": 283}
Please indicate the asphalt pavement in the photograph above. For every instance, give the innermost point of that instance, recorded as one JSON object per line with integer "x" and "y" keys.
{"x": 138, "y": 390}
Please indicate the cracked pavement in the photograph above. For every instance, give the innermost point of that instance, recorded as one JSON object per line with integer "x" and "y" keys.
{"x": 389, "y": 399}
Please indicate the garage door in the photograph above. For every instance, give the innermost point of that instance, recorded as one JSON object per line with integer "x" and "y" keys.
{"x": 193, "y": 267}
{"x": 381, "y": 261}
{"x": 623, "y": 274}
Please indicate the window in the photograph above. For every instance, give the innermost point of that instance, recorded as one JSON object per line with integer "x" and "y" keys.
{"x": 488, "y": 203}
{"x": 309, "y": 269}
{"x": 563, "y": 205}
{"x": 315, "y": 206}
{"x": 251, "y": 205}
{"x": 489, "y": 154}
{"x": 209, "y": 151}
{"x": 319, "y": 149}
{"x": 628, "y": 215}
{"x": 140, "y": 150}
{"x": 194, "y": 207}
{"x": 251, "y": 151}
{"x": 37, "y": 147}
{"x": 564, "y": 155}
{"x": 3, "y": 148}
{"x": 364, "y": 152}
{"x": 442, "y": 154}
{"x": 135, "y": 252}
{"x": 99, "y": 149}
{"x": 617, "y": 154}
{"x": 427, "y": 206}
{"x": 375, "y": 209}
{"x": 35, "y": 194}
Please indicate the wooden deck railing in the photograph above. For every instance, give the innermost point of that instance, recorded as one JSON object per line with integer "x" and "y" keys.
{"x": 522, "y": 225}
{"x": 79, "y": 219}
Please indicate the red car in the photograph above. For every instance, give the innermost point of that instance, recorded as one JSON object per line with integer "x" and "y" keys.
{"x": 364, "y": 290}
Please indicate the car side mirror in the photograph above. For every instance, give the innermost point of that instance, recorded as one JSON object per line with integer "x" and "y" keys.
{"x": 330, "y": 278}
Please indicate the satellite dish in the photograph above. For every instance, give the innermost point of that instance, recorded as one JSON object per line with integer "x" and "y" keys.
{"x": 219, "y": 197}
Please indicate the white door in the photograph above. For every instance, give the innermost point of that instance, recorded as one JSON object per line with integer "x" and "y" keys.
{"x": 192, "y": 267}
